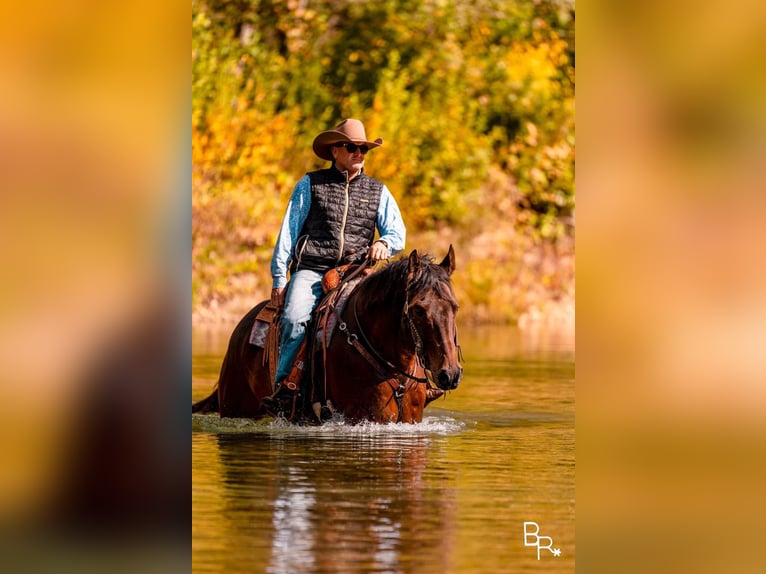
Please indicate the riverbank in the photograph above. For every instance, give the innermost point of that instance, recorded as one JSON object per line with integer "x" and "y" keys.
{"x": 502, "y": 277}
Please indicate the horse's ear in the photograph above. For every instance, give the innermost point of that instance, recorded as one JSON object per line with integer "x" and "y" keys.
{"x": 449, "y": 261}
{"x": 414, "y": 266}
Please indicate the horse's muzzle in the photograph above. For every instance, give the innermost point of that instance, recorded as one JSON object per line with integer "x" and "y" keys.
{"x": 449, "y": 379}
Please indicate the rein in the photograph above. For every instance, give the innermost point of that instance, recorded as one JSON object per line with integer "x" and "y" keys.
{"x": 416, "y": 338}
{"x": 398, "y": 380}
{"x": 369, "y": 352}
{"x": 379, "y": 363}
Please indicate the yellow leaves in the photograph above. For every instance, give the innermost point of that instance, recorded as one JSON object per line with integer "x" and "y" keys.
{"x": 377, "y": 105}
{"x": 534, "y": 68}
{"x": 560, "y": 151}
{"x": 531, "y": 138}
{"x": 473, "y": 129}
{"x": 244, "y": 160}
{"x": 537, "y": 176}
{"x": 447, "y": 111}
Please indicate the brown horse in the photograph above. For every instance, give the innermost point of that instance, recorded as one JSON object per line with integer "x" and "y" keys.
{"x": 396, "y": 333}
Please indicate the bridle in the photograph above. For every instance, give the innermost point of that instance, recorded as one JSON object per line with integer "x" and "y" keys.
{"x": 382, "y": 366}
{"x": 416, "y": 338}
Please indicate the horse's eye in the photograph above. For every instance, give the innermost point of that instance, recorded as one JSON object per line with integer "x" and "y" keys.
{"x": 420, "y": 312}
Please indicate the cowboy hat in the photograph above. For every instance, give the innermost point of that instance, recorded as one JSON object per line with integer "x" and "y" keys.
{"x": 347, "y": 131}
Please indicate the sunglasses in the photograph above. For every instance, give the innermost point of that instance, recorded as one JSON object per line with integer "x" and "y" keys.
{"x": 351, "y": 148}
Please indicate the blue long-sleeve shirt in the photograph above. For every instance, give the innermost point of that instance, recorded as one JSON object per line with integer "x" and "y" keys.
{"x": 389, "y": 223}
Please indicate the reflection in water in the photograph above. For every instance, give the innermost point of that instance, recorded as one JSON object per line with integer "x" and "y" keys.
{"x": 449, "y": 495}
{"x": 334, "y": 504}
{"x": 292, "y": 539}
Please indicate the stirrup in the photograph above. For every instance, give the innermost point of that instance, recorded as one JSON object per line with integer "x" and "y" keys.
{"x": 283, "y": 402}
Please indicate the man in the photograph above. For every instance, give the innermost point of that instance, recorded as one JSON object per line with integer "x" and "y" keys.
{"x": 330, "y": 220}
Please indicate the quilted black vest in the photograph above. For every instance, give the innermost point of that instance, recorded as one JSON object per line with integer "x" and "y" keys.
{"x": 341, "y": 220}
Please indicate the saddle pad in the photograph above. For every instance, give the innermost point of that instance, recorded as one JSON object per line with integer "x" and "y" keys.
{"x": 261, "y": 326}
{"x": 258, "y": 333}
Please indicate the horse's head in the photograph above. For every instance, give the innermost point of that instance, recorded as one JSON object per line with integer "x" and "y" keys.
{"x": 429, "y": 316}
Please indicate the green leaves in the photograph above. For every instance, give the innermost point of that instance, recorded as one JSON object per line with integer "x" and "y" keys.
{"x": 465, "y": 93}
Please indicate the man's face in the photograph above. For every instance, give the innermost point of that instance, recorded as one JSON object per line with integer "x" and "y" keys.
{"x": 352, "y": 162}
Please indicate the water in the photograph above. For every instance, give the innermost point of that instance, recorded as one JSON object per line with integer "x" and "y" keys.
{"x": 448, "y": 495}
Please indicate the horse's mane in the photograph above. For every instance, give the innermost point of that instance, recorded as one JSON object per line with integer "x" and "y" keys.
{"x": 391, "y": 281}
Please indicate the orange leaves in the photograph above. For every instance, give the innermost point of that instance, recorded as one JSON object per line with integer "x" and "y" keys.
{"x": 475, "y": 102}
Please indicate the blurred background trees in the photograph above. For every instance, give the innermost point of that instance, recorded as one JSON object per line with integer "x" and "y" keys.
{"x": 475, "y": 102}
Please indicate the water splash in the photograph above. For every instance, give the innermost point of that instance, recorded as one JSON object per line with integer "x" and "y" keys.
{"x": 430, "y": 426}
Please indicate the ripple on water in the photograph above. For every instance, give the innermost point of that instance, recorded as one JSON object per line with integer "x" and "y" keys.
{"x": 431, "y": 425}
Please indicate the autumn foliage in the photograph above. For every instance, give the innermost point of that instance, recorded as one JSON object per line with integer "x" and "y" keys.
{"x": 475, "y": 102}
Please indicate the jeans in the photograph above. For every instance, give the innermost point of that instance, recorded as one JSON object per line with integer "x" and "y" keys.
{"x": 303, "y": 293}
